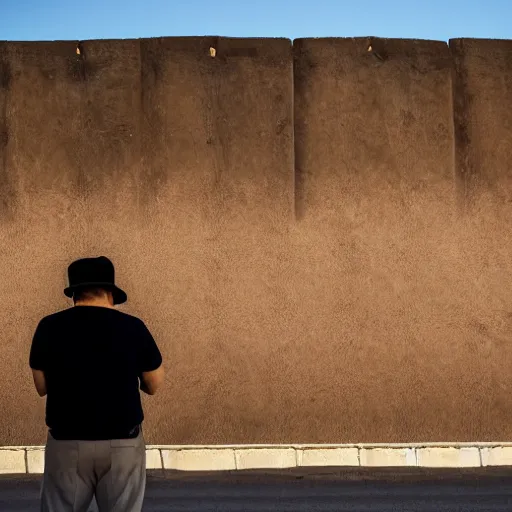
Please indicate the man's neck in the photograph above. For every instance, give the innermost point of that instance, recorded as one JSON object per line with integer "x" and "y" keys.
{"x": 98, "y": 303}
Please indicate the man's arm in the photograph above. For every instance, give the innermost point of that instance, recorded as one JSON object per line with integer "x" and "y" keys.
{"x": 151, "y": 381}
{"x": 38, "y": 358}
{"x": 40, "y": 382}
{"x": 151, "y": 371}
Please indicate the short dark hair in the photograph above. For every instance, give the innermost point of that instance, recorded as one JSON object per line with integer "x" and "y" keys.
{"x": 89, "y": 292}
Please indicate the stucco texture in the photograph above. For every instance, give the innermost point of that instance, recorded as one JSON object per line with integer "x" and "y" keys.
{"x": 293, "y": 222}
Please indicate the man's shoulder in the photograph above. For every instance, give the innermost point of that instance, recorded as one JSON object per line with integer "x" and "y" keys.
{"x": 50, "y": 318}
{"x": 69, "y": 314}
{"x": 135, "y": 320}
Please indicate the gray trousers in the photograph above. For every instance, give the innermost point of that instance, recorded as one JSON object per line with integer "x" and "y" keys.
{"x": 114, "y": 472}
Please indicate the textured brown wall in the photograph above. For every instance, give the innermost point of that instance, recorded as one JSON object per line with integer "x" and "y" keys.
{"x": 318, "y": 238}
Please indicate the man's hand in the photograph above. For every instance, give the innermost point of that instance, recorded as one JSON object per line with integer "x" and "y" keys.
{"x": 151, "y": 381}
{"x": 143, "y": 386}
{"x": 40, "y": 382}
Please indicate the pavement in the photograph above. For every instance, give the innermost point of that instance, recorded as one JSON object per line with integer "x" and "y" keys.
{"x": 305, "y": 489}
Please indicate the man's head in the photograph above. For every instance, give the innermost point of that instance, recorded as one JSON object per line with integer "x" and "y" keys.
{"x": 93, "y": 279}
{"x": 93, "y": 295}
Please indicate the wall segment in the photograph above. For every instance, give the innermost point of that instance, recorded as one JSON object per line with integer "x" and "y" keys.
{"x": 318, "y": 234}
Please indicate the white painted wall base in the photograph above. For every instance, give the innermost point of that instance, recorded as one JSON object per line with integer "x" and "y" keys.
{"x": 30, "y": 459}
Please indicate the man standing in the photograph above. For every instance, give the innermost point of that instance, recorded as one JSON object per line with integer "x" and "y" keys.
{"x": 89, "y": 361}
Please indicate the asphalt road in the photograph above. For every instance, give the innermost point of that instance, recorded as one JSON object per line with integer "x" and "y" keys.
{"x": 313, "y": 490}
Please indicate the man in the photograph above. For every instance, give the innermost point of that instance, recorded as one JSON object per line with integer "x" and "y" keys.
{"x": 89, "y": 361}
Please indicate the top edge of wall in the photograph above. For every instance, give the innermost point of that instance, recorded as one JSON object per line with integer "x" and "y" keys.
{"x": 462, "y": 43}
{"x": 480, "y": 39}
{"x": 208, "y": 37}
{"x": 369, "y": 38}
{"x": 183, "y": 38}
{"x": 397, "y": 45}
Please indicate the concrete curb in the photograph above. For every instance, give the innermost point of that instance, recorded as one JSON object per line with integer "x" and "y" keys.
{"x": 30, "y": 459}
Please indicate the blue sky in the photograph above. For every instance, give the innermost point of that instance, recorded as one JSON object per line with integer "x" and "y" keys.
{"x": 102, "y": 19}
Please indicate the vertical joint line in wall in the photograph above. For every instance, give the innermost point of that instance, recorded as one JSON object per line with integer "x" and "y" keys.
{"x": 358, "y": 456}
{"x": 480, "y": 455}
{"x": 161, "y": 459}
{"x": 82, "y": 109}
{"x": 294, "y": 156}
{"x": 455, "y": 156}
{"x": 236, "y": 461}
{"x": 26, "y": 460}
{"x": 81, "y": 61}
{"x": 463, "y": 174}
{"x": 141, "y": 135}
{"x": 4, "y": 108}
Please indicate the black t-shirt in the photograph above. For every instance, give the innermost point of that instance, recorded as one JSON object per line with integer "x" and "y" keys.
{"x": 92, "y": 358}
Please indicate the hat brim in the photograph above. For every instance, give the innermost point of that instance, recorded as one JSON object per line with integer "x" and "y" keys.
{"x": 119, "y": 295}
